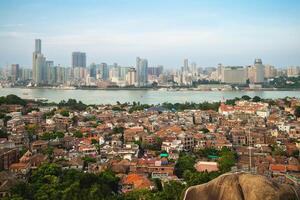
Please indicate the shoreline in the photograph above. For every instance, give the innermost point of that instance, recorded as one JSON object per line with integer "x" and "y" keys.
{"x": 161, "y": 89}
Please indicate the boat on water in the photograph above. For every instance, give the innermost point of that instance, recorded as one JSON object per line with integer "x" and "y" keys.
{"x": 25, "y": 93}
{"x": 162, "y": 89}
{"x": 40, "y": 99}
{"x": 66, "y": 88}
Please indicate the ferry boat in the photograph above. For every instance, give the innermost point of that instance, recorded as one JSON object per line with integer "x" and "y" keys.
{"x": 41, "y": 99}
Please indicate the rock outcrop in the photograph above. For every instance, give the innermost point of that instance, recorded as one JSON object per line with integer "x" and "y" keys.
{"x": 241, "y": 186}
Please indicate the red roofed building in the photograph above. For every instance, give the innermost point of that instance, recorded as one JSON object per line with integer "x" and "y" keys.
{"x": 202, "y": 166}
{"x": 135, "y": 182}
{"x": 279, "y": 168}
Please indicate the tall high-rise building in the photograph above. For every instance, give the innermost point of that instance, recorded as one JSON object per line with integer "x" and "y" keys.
{"x": 270, "y": 71}
{"x": 26, "y": 74}
{"x": 131, "y": 77}
{"x": 15, "y": 72}
{"x": 293, "y": 71}
{"x": 259, "y": 69}
{"x": 38, "y": 46}
{"x": 103, "y": 71}
{"x": 234, "y": 75}
{"x": 141, "y": 72}
{"x": 185, "y": 65}
{"x": 38, "y": 63}
{"x": 47, "y": 71}
{"x": 155, "y": 71}
{"x": 40, "y": 67}
{"x": 93, "y": 70}
{"x": 78, "y": 59}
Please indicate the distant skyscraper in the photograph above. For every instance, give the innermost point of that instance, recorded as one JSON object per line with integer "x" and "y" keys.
{"x": 38, "y": 46}
{"x": 93, "y": 70}
{"x": 38, "y": 63}
{"x": 142, "y": 72}
{"x": 131, "y": 77}
{"x": 47, "y": 71}
{"x": 259, "y": 69}
{"x": 234, "y": 75}
{"x": 186, "y": 65}
{"x": 270, "y": 71}
{"x": 293, "y": 71}
{"x": 156, "y": 71}
{"x": 78, "y": 59}
{"x": 26, "y": 74}
{"x": 103, "y": 71}
{"x": 40, "y": 66}
{"x": 15, "y": 72}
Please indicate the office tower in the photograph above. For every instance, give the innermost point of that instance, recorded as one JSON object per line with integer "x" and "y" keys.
{"x": 78, "y": 59}
{"x": 251, "y": 73}
{"x": 47, "y": 71}
{"x": 122, "y": 72}
{"x": 80, "y": 73}
{"x": 52, "y": 75}
{"x": 259, "y": 74}
{"x": 45, "y": 74}
{"x": 59, "y": 75}
{"x": 93, "y": 70}
{"x": 155, "y": 71}
{"x": 186, "y": 65}
{"x": 103, "y": 71}
{"x": 38, "y": 46}
{"x": 193, "y": 69}
{"x": 293, "y": 71}
{"x": 141, "y": 72}
{"x": 15, "y": 72}
{"x": 38, "y": 63}
{"x": 131, "y": 77}
{"x": 26, "y": 74}
{"x": 234, "y": 75}
{"x": 114, "y": 73}
{"x": 219, "y": 71}
{"x": 270, "y": 71}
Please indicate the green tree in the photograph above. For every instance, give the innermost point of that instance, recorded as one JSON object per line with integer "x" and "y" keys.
{"x": 173, "y": 190}
{"x": 3, "y": 133}
{"x": 297, "y": 111}
{"x": 12, "y": 99}
{"x": 204, "y": 130}
{"x": 94, "y": 141}
{"x": 184, "y": 162}
{"x": 226, "y": 161}
{"x": 246, "y": 97}
{"x": 65, "y": 113}
{"x": 78, "y": 134}
{"x": 256, "y": 99}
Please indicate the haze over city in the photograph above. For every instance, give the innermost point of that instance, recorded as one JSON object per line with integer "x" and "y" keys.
{"x": 165, "y": 32}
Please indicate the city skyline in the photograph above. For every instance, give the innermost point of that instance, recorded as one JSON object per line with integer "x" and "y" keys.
{"x": 163, "y": 32}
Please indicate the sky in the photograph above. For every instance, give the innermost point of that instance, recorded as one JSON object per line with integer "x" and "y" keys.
{"x": 231, "y": 32}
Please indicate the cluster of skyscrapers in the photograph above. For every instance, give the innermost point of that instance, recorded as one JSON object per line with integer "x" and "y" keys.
{"x": 45, "y": 73}
{"x": 257, "y": 73}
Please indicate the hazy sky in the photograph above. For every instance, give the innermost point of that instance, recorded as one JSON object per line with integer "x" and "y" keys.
{"x": 164, "y": 31}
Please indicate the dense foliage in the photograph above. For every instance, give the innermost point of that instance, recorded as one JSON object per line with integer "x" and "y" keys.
{"x": 73, "y": 105}
{"x": 52, "y": 135}
{"x": 192, "y": 105}
{"x": 12, "y": 99}
{"x": 3, "y": 133}
{"x": 137, "y": 106}
{"x": 285, "y": 82}
{"x": 51, "y": 182}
